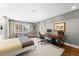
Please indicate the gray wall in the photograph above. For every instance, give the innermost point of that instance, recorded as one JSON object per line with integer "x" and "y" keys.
{"x": 72, "y": 25}
{"x": 12, "y": 31}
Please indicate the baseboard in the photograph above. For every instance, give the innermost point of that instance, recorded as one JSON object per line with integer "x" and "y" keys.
{"x": 72, "y": 45}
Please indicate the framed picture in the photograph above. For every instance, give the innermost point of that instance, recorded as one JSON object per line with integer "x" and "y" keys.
{"x": 17, "y": 27}
{"x": 60, "y": 26}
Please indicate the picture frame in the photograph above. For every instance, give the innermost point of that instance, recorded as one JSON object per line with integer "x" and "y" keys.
{"x": 17, "y": 27}
{"x": 61, "y": 26}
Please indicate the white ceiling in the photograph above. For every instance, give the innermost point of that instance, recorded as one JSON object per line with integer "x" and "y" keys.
{"x": 35, "y": 12}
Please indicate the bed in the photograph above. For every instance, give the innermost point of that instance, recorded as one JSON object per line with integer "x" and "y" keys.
{"x": 15, "y": 46}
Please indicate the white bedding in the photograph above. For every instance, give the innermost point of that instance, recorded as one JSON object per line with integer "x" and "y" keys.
{"x": 9, "y": 45}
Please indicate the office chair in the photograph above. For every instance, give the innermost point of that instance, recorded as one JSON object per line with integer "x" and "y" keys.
{"x": 61, "y": 33}
{"x": 61, "y": 39}
{"x": 42, "y": 39}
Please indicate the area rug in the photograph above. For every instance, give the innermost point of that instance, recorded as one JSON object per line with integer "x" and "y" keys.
{"x": 44, "y": 49}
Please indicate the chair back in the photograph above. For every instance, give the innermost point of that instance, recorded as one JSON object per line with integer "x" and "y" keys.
{"x": 61, "y": 33}
{"x": 41, "y": 36}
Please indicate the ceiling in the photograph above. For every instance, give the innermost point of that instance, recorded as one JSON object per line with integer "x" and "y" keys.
{"x": 35, "y": 12}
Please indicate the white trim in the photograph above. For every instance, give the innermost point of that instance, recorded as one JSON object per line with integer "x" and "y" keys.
{"x": 72, "y": 45}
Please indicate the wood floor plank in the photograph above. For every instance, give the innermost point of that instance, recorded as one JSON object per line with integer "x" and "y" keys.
{"x": 70, "y": 51}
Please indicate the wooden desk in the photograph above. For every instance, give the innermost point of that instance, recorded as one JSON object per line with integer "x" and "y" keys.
{"x": 58, "y": 38}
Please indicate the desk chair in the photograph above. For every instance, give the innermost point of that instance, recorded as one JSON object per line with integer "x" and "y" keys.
{"x": 42, "y": 39}
{"x": 61, "y": 33}
{"x": 61, "y": 40}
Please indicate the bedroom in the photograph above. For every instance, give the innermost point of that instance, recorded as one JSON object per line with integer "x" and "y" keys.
{"x": 26, "y": 29}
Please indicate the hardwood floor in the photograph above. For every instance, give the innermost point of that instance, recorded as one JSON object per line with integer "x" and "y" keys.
{"x": 70, "y": 51}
